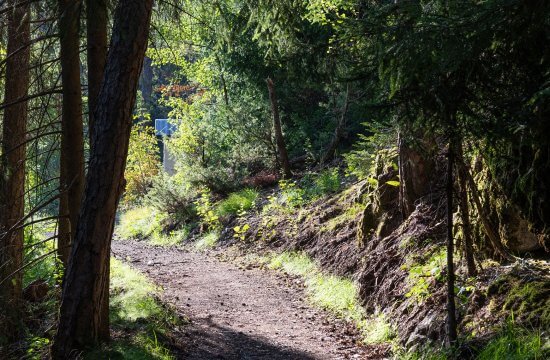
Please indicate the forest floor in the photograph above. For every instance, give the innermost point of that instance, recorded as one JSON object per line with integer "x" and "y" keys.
{"x": 242, "y": 312}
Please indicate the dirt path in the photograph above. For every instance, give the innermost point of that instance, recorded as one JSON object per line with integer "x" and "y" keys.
{"x": 241, "y": 313}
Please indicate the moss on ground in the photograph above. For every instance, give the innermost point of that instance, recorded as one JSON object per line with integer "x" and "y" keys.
{"x": 526, "y": 298}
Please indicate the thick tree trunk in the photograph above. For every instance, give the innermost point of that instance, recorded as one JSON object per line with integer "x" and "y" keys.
{"x": 97, "y": 53}
{"x": 12, "y": 167}
{"x": 72, "y": 138}
{"x": 333, "y": 146}
{"x": 84, "y": 290}
{"x": 97, "y": 56}
{"x": 451, "y": 306}
{"x": 281, "y": 147}
{"x": 416, "y": 170}
{"x": 488, "y": 228}
{"x": 465, "y": 214}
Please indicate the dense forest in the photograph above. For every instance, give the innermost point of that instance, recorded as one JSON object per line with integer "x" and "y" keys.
{"x": 274, "y": 179}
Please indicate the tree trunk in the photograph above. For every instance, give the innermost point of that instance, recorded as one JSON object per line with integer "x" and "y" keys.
{"x": 451, "y": 307}
{"x": 416, "y": 170}
{"x": 331, "y": 150}
{"x": 492, "y": 235}
{"x": 97, "y": 55}
{"x": 465, "y": 214}
{"x": 281, "y": 147}
{"x": 12, "y": 166}
{"x": 72, "y": 138}
{"x": 146, "y": 86}
{"x": 84, "y": 289}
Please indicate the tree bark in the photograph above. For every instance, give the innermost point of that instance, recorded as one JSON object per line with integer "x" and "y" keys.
{"x": 281, "y": 147}
{"x": 97, "y": 21}
{"x": 12, "y": 166}
{"x": 465, "y": 215}
{"x": 331, "y": 150}
{"x": 96, "y": 35}
{"x": 84, "y": 288}
{"x": 72, "y": 137}
{"x": 492, "y": 235}
{"x": 146, "y": 87}
{"x": 416, "y": 170}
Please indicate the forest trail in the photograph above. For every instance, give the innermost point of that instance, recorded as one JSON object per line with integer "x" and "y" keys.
{"x": 241, "y": 313}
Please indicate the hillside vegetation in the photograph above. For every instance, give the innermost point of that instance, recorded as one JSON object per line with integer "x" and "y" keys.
{"x": 380, "y": 168}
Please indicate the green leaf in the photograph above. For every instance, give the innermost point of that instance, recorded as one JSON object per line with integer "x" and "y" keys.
{"x": 392, "y": 183}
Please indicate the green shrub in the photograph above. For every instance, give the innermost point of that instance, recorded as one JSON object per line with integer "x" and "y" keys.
{"x": 143, "y": 162}
{"x": 140, "y": 223}
{"x": 237, "y": 202}
{"x": 328, "y": 181}
{"x": 174, "y": 196}
{"x": 324, "y": 183}
{"x": 207, "y": 212}
{"x": 49, "y": 268}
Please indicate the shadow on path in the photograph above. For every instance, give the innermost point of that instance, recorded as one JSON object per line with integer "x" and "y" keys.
{"x": 219, "y": 342}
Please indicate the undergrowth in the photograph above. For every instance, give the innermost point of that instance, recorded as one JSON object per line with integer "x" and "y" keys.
{"x": 335, "y": 294}
{"x": 174, "y": 237}
{"x": 136, "y": 312}
{"x": 237, "y": 202}
{"x": 140, "y": 223}
{"x": 515, "y": 342}
{"x": 148, "y": 223}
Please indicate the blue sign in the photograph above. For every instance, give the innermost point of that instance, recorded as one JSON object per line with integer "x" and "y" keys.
{"x": 163, "y": 127}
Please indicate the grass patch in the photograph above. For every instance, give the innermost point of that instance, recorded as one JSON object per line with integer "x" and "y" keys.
{"x": 516, "y": 343}
{"x": 376, "y": 329}
{"x": 335, "y": 294}
{"x": 237, "y": 202}
{"x": 140, "y": 223}
{"x": 207, "y": 241}
{"x": 292, "y": 263}
{"x": 132, "y": 295}
{"x": 175, "y": 237}
{"x": 136, "y": 311}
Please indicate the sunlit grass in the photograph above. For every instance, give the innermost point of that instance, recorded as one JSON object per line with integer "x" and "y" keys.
{"x": 515, "y": 342}
{"x": 207, "y": 241}
{"x": 140, "y": 223}
{"x": 132, "y": 294}
{"x": 136, "y": 311}
{"x": 376, "y": 329}
{"x": 335, "y": 294}
{"x": 176, "y": 237}
{"x": 293, "y": 263}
